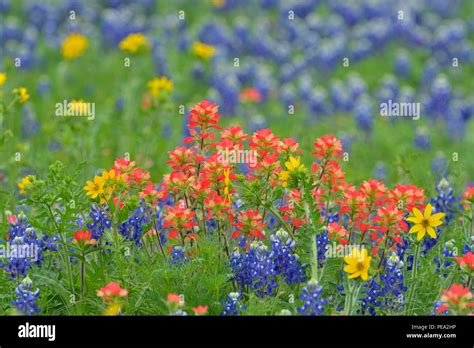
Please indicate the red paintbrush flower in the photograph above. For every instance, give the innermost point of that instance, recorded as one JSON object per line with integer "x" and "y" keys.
{"x": 234, "y": 134}
{"x": 466, "y": 262}
{"x": 457, "y": 300}
{"x": 204, "y": 115}
{"x": 327, "y": 146}
{"x": 175, "y": 299}
{"x": 252, "y": 95}
{"x": 200, "y": 310}
{"x": 249, "y": 223}
{"x": 83, "y": 237}
{"x": 111, "y": 291}
{"x": 179, "y": 219}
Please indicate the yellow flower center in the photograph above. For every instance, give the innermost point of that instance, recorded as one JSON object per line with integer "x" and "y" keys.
{"x": 360, "y": 265}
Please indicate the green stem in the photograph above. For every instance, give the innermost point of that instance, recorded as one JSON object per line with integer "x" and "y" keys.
{"x": 83, "y": 274}
{"x": 12, "y": 103}
{"x": 271, "y": 210}
{"x": 413, "y": 278}
{"x": 314, "y": 257}
{"x": 66, "y": 251}
{"x": 155, "y": 225}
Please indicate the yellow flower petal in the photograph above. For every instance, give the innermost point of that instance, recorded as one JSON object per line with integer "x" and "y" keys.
{"x": 431, "y": 231}
{"x": 354, "y": 275}
{"x": 365, "y": 275}
{"x": 350, "y": 268}
{"x": 349, "y": 259}
{"x": 415, "y": 228}
{"x": 415, "y": 220}
{"x": 421, "y": 234}
{"x": 437, "y": 216}
{"x": 418, "y": 213}
{"x": 364, "y": 254}
{"x": 428, "y": 211}
{"x": 435, "y": 223}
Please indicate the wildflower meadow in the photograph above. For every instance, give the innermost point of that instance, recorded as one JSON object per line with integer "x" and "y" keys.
{"x": 224, "y": 158}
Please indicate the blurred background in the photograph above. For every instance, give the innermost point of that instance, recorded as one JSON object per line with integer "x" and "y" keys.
{"x": 301, "y": 68}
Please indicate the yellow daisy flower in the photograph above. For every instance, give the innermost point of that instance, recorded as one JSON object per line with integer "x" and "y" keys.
{"x": 218, "y": 3}
{"x": 3, "y": 78}
{"x": 74, "y": 45}
{"x": 159, "y": 84}
{"x": 134, "y": 43}
{"x": 425, "y": 223}
{"x": 294, "y": 164}
{"x": 95, "y": 188}
{"x": 226, "y": 182}
{"x": 22, "y": 94}
{"x": 113, "y": 309}
{"x": 23, "y": 185}
{"x": 358, "y": 264}
{"x": 283, "y": 177}
{"x": 203, "y": 51}
{"x": 78, "y": 106}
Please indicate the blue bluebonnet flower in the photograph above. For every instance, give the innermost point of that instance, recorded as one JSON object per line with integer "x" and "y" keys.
{"x": 242, "y": 242}
{"x": 132, "y": 228}
{"x": 370, "y": 297}
{"x": 322, "y": 241}
{"x": 445, "y": 201}
{"x": 313, "y": 302}
{"x": 346, "y": 140}
{"x": 430, "y": 71}
{"x": 30, "y": 124}
{"x": 286, "y": 263}
{"x": 256, "y": 122}
{"x": 159, "y": 59}
{"x": 332, "y": 216}
{"x": 402, "y": 65}
{"x": 401, "y": 252}
{"x": 214, "y": 34}
{"x": 100, "y": 222}
{"x": 26, "y": 299}
{"x": 392, "y": 284}
{"x": 178, "y": 256}
{"x": 233, "y": 306}
{"x": 388, "y": 90}
{"x": 4, "y": 6}
{"x": 449, "y": 252}
{"x": 117, "y": 23}
{"x": 228, "y": 87}
{"x": 43, "y": 86}
{"x": 439, "y": 165}
{"x": 440, "y": 95}
{"x": 454, "y": 119}
{"x": 422, "y": 139}
{"x": 211, "y": 225}
{"x": 364, "y": 114}
{"x": 380, "y": 171}
{"x": 119, "y": 104}
{"x": 468, "y": 247}
{"x": 356, "y": 85}
{"x": 407, "y": 95}
{"x": 254, "y": 269}
{"x": 341, "y": 98}
{"x": 26, "y": 248}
